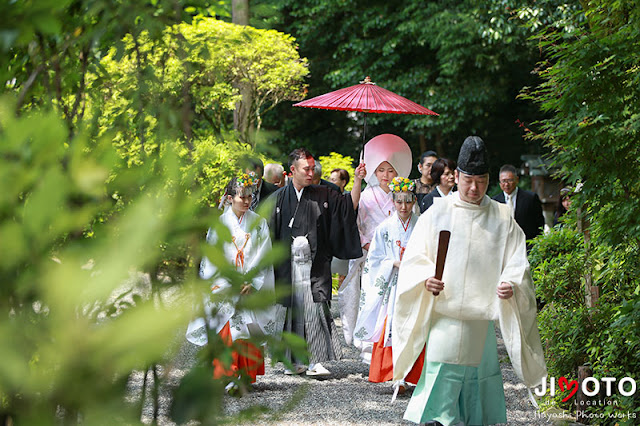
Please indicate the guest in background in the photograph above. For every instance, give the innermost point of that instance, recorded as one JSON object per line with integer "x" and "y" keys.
{"x": 424, "y": 184}
{"x": 525, "y": 205}
{"x": 564, "y": 204}
{"x": 274, "y": 174}
{"x": 339, "y": 177}
{"x": 317, "y": 178}
{"x": 443, "y": 177}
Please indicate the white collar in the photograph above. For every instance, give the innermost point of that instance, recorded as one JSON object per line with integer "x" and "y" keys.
{"x": 441, "y": 193}
{"x": 514, "y": 194}
{"x": 298, "y": 193}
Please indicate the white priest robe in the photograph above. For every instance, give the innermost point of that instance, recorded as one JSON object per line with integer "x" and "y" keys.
{"x": 487, "y": 247}
{"x": 379, "y": 278}
{"x": 250, "y": 241}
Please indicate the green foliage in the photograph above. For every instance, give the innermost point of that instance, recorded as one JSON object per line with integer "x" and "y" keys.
{"x": 558, "y": 261}
{"x": 604, "y": 337}
{"x": 72, "y": 335}
{"x": 196, "y": 69}
{"x": 102, "y": 183}
{"x": 337, "y": 161}
{"x": 594, "y": 138}
{"x": 213, "y": 163}
{"x": 590, "y": 94}
{"x": 466, "y": 60}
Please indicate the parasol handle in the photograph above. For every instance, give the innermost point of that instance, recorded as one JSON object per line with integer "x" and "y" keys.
{"x": 443, "y": 247}
{"x": 364, "y": 133}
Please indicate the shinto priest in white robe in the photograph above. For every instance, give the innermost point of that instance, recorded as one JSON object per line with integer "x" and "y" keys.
{"x": 250, "y": 242}
{"x": 487, "y": 247}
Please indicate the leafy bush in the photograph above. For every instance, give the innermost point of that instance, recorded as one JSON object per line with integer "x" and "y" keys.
{"x": 71, "y": 335}
{"x": 557, "y": 263}
{"x": 337, "y": 161}
{"x": 605, "y": 337}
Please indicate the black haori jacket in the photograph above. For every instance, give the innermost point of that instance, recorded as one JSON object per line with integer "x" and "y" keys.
{"x": 328, "y": 220}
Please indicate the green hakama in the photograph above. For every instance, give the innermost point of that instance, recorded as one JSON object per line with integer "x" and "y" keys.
{"x": 460, "y": 394}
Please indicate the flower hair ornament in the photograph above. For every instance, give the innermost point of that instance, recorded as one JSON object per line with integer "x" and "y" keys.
{"x": 246, "y": 180}
{"x": 246, "y": 183}
{"x": 401, "y": 184}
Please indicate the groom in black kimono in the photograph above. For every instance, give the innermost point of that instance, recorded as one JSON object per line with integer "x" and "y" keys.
{"x": 328, "y": 220}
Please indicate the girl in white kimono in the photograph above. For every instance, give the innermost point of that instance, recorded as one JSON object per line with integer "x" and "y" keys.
{"x": 249, "y": 242}
{"x": 379, "y": 278}
{"x": 385, "y": 156}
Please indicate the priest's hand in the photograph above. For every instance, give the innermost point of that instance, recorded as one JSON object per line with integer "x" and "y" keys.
{"x": 504, "y": 290}
{"x": 396, "y": 264}
{"x": 434, "y": 285}
{"x": 246, "y": 289}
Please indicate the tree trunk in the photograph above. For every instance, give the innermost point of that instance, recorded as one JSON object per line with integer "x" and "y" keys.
{"x": 240, "y": 16}
{"x": 582, "y": 400}
{"x": 591, "y": 292}
{"x": 240, "y": 12}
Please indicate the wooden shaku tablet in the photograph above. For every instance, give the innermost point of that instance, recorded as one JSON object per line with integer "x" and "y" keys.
{"x": 443, "y": 247}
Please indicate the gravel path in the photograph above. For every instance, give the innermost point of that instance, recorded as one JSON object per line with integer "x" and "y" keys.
{"x": 344, "y": 398}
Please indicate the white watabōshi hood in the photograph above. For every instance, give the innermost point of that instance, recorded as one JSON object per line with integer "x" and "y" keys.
{"x": 390, "y": 148}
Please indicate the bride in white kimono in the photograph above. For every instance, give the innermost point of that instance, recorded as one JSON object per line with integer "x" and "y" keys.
{"x": 249, "y": 242}
{"x": 379, "y": 279}
{"x": 386, "y": 156}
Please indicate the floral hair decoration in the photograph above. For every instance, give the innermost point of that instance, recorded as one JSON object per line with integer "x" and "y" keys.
{"x": 401, "y": 184}
{"x": 246, "y": 184}
{"x": 246, "y": 180}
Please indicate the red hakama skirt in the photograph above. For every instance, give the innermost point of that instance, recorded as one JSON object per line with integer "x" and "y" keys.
{"x": 381, "y": 368}
{"x": 247, "y": 360}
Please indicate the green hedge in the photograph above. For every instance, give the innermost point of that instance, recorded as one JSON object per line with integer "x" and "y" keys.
{"x": 605, "y": 337}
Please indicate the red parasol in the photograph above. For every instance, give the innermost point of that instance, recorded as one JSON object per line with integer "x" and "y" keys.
{"x": 366, "y": 97}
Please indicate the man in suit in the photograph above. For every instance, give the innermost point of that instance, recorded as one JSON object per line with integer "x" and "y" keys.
{"x": 525, "y": 204}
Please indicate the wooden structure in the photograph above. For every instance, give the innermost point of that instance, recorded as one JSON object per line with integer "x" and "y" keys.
{"x": 542, "y": 183}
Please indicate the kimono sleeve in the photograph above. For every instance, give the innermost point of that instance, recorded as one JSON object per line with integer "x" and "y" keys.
{"x": 264, "y": 279}
{"x": 344, "y": 238}
{"x": 207, "y": 269}
{"x": 414, "y": 303}
{"x": 376, "y": 280}
{"x": 518, "y": 314}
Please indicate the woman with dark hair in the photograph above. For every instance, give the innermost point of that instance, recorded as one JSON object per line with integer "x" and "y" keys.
{"x": 340, "y": 177}
{"x": 564, "y": 204}
{"x": 249, "y": 242}
{"x": 379, "y": 278}
{"x": 443, "y": 177}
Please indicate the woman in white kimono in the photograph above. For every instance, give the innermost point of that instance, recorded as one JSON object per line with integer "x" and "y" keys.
{"x": 249, "y": 242}
{"x": 386, "y": 156}
{"x": 379, "y": 278}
